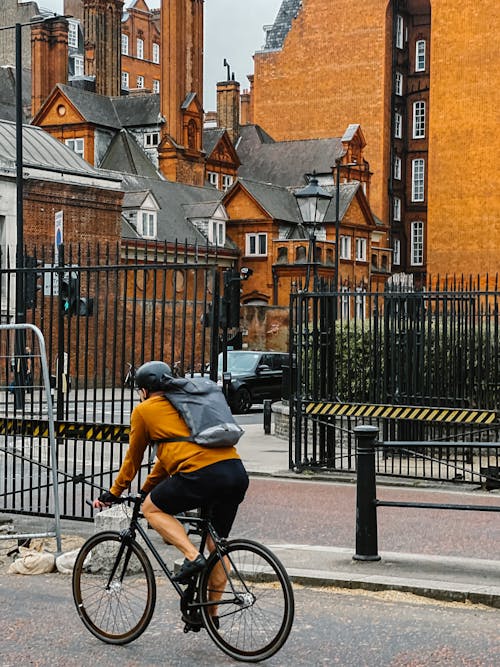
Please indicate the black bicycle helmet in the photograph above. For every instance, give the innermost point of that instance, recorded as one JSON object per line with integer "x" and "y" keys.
{"x": 152, "y": 375}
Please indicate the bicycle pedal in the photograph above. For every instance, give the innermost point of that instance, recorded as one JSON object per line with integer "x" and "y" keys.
{"x": 189, "y": 627}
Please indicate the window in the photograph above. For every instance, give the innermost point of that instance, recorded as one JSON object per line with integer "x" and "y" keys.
{"x": 345, "y": 303}
{"x": 399, "y": 31}
{"x": 419, "y": 120}
{"x": 156, "y": 86}
{"x": 420, "y": 56}
{"x": 76, "y": 146}
{"x": 361, "y": 250}
{"x": 396, "y": 252}
{"x": 399, "y": 84}
{"x": 140, "y": 49}
{"x": 397, "y": 167}
{"x": 151, "y": 139}
{"x": 345, "y": 247}
{"x": 256, "y": 244}
{"x": 227, "y": 181}
{"x": 156, "y": 52}
{"x": 396, "y": 209}
{"x": 124, "y": 44}
{"x": 417, "y": 243}
{"x": 217, "y": 233}
{"x": 213, "y": 178}
{"x": 398, "y": 125}
{"x": 417, "y": 180}
{"x": 78, "y": 65}
{"x": 146, "y": 226}
{"x": 73, "y": 34}
{"x": 124, "y": 79}
{"x": 360, "y": 303}
{"x": 140, "y": 82}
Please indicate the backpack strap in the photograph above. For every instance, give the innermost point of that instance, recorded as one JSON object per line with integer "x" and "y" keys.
{"x": 154, "y": 445}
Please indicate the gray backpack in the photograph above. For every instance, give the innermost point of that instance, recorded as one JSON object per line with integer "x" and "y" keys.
{"x": 204, "y": 408}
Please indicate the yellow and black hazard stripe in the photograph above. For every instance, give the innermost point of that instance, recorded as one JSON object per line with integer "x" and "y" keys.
{"x": 39, "y": 428}
{"x": 414, "y": 413}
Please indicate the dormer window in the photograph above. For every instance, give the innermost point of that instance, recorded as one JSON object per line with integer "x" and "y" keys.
{"x": 217, "y": 232}
{"x": 151, "y": 139}
{"x": 147, "y": 224}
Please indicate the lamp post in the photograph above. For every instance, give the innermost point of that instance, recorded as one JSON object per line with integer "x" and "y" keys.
{"x": 313, "y": 202}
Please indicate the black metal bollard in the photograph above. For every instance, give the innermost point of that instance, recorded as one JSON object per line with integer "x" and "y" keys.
{"x": 366, "y": 495}
{"x": 267, "y": 416}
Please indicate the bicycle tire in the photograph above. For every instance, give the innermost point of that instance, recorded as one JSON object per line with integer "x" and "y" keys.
{"x": 117, "y": 611}
{"x": 256, "y": 626}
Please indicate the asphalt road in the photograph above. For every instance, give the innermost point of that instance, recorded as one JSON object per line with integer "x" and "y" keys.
{"x": 39, "y": 626}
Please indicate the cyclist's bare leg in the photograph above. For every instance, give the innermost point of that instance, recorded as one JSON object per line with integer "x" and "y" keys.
{"x": 169, "y": 528}
{"x": 218, "y": 578}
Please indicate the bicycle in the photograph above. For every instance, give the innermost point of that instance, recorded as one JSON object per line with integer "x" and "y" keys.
{"x": 249, "y": 618}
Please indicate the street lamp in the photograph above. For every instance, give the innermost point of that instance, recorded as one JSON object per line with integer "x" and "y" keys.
{"x": 313, "y": 202}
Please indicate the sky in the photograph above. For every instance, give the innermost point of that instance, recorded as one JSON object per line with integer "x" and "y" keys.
{"x": 233, "y": 30}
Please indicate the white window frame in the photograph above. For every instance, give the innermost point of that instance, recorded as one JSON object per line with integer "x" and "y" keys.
{"x": 396, "y": 254}
{"x": 398, "y": 166}
{"x": 418, "y": 180}
{"x": 396, "y": 209}
{"x": 398, "y": 86}
{"x": 77, "y": 145}
{"x": 345, "y": 247}
{"x": 125, "y": 80}
{"x": 124, "y": 44}
{"x": 227, "y": 181}
{"x": 361, "y": 247}
{"x": 420, "y": 57}
{"x": 140, "y": 48}
{"x": 213, "y": 178}
{"x": 147, "y": 224}
{"x": 156, "y": 53}
{"x": 217, "y": 232}
{"x": 398, "y": 125}
{"x": 400, "y": 31}
{"x": 156, "y": 86}
{"x": 345, "y": 303}
{"x": 78, "y": 66}
{"x": 360, "y": 303}
{"x": 417, "y": 243}
{"x": 151, "y": 139}
{"x": 140, "y": 81}
{"x": 73, "y": 34}
{"x": 256, "y": 244}
{"x": 419, "y": 119}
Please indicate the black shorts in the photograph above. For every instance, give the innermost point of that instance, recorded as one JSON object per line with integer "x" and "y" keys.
{"x": 221, "y": 486}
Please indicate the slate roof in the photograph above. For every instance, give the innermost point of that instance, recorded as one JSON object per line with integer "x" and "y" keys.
{"x": 41, "y": 150}
{"x": 8, "y": 93}
{"x": 115, "y": 112}
{"x": 176, "y": 201}
{"x": 277, "y": 34}
{"x": 211, "y": 136}
{"x": 284, "y": 162}
{"x": 125, "y": 155}
{"x": 281, "y": 204}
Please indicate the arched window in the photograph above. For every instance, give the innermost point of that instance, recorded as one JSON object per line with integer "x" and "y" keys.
{"x": 282, "y": 255}
{"x": 300, "y": 254}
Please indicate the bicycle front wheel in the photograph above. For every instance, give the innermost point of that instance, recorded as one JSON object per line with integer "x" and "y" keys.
{"x": 114, "y": 588}
{"x": 255, "y": 603}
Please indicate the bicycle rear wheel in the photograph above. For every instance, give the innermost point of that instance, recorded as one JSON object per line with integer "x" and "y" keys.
{"x": 114, "y": 588}
{"x": 256, "y": 607}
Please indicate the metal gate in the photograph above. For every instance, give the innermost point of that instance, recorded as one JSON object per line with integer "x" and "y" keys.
{"x": 102, "y": 314}
{"x": 422, "y": 366}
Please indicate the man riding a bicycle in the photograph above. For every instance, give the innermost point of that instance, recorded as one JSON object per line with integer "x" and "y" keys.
{"x": 185, "y": 475}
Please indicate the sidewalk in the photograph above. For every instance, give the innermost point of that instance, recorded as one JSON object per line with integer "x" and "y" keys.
{"x": 445, "y": 578}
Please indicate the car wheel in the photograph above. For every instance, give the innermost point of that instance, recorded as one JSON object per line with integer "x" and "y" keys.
{"x": 242, "y": 401}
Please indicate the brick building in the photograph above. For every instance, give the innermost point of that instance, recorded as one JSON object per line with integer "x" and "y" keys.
{"x": 410, "y": 75}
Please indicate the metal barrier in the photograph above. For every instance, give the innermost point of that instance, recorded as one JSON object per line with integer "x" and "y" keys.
{"x": 27, "y": 366}
{"x": 366, "y": 491}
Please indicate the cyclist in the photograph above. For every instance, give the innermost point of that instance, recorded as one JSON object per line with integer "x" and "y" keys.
{"x": 185, "y": 475}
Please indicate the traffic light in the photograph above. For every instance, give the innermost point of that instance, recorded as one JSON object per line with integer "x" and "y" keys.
{"x": 31, "y": 277}
{"x": 71, "y": 301}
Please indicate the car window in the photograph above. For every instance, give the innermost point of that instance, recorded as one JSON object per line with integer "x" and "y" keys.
{"x": 240, "y": 363}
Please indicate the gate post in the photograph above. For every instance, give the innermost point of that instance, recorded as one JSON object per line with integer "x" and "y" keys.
{"x": 366, "y": 494}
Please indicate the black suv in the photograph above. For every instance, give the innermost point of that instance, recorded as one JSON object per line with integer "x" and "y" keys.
{"x": 255, "y": 376}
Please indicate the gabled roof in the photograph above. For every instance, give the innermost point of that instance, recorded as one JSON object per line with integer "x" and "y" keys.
{"x": 135, "y": 200}
{"x": 211, "y": 137}
{"x": 284, "y": 162}
{"x": 287, "y": 13}
{"x": 125, "y": 155}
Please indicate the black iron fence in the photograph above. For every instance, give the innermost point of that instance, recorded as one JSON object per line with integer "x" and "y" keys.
{"x": 103, "y": 311}
{"x": 422, "y": 366}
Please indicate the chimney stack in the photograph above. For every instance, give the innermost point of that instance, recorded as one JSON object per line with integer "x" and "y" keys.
{"x": 49, "y": 59}
{"x": 228, "y": 107}
{"x": 103, "y": 34}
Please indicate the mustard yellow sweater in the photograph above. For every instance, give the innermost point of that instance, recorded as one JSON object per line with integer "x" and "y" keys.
{"x": 156, "y": 419}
